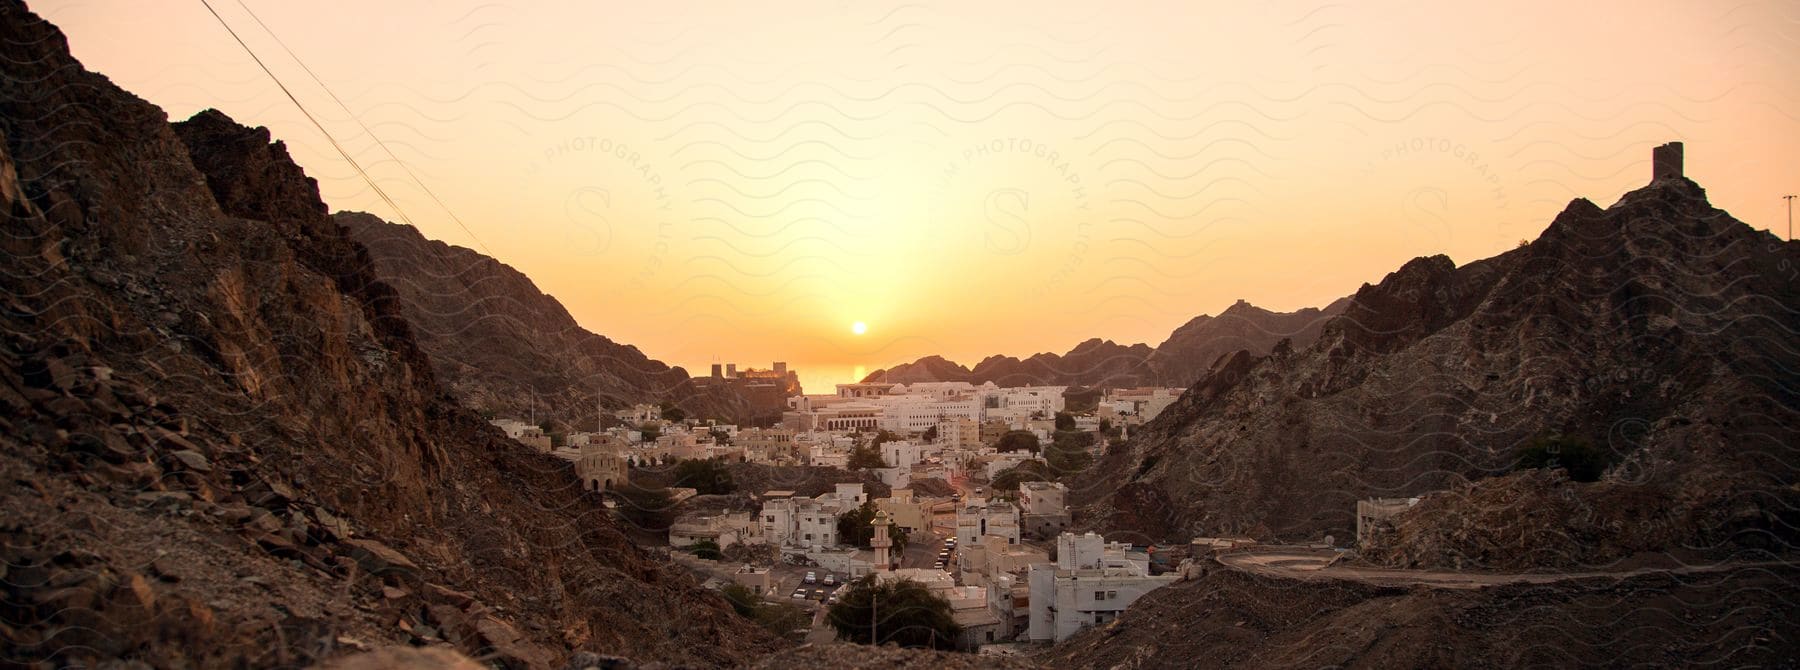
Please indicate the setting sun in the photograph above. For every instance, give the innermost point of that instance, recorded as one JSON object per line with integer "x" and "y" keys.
{"x": 859, "y": 328}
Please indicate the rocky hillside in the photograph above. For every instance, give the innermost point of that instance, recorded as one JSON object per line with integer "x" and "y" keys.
{"x": 221, "y": 444}
{"x": 504, "y": 347}
{"x": 1229, "y": 619}
{"x": 1180, "y": 360}
{"x": 1659, "y": 330}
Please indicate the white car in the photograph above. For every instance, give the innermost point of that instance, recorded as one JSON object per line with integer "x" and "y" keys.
{"x": 800, "y": 594}
{"x": 812, "y": 577}
{"x": 830, "y": 579}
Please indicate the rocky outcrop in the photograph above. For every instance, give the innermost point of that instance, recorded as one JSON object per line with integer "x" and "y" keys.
{"x": 1658, "y": 329}
{"x": 1178, "y": 362}
{"x": 223, "y": 446}
{"x": 1227, "y": 619}
{"x": 504, "y": 347}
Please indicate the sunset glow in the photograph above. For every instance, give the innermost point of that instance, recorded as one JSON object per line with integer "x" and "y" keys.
{"x": 715, "y": 181}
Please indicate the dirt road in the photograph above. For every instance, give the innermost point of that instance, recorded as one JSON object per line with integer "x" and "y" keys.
{"x": 1323, "y": 564}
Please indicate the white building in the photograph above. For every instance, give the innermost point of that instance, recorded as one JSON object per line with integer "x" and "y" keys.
{"x": 808, "y": 522}
{"x": 1090, "y": 583}
{"x": 1140, "y": 404}
{"x": 1043, "y": 512}
{"x": 722, "y": 529}
{"x": 907, "y": 414}
{"x": 900, "y": 453}
{"x": 1042, "y": 498}
{"x": 639, "y": 414}
{"x": 978, "y": 518}
{"x": 525, "y": 433}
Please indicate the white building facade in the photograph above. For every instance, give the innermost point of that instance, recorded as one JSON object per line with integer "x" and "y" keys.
{"x": 1090, "y": 584}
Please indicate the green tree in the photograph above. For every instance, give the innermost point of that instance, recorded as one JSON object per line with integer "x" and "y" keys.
{"x": 650, "y": 432}
{"x": 778, "y": 618}
{"x": 720, "y": 437}
{"x": 1065, "y": 421}
{"x": 1575, "y": 455}
{"x": 1015, "y": 440}
{"x": 857, "y": 527}
{"x": 1106, "y": 426}
{"x": 1026, "y": 471}
{"x": 930, "y": 434}
{"x": 883, "y": 436}
{"x": 865, "y": 458}
{"x": 706, "y": 549}
{"x": 673, "y": 413}
{"x": 902, "y": 612}
{"x": 742, "y": 599}
{"x": 707, "y": 476}
{"x": 1068, "y": 452}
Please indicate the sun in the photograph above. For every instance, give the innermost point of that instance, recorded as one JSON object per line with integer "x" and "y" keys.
{"x": 859, "y": 328}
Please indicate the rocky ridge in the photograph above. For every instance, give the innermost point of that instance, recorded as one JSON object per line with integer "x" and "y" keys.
{"x": 1178, "y": 362}
{"x": 504, "y": 347}
{"x": 221, "y": 444}
{"x": 1659, "y": 329}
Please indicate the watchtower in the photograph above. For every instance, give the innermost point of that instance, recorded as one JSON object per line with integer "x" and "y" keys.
{"x": 1666, "y": 162}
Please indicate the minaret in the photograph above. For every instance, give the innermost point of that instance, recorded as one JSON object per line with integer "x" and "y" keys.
{"x": 880, "y": 542}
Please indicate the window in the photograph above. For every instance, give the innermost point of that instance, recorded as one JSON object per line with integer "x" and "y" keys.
{"x": 1099, "y": 595}
{"x": 1112, "y": 595}
{"x": 809, "y": 536}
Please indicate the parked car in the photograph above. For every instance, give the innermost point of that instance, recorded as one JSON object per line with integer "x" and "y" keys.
{"x": 812, "y": 577}
{"x": 830, "y": 579}
{"x": 800, "y": 594}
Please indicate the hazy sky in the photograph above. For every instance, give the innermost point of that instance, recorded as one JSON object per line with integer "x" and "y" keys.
{"x": 743, "y": 181}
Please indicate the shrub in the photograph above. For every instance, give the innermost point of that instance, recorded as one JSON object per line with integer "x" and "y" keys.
{"x": 1575, "y": 455}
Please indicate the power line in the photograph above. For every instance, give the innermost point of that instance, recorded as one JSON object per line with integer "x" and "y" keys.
{"x": 365, "y": 128}
{"x": 320, "y": 126}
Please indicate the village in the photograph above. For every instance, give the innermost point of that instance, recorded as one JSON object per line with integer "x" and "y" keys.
{"x": 951, "y": 482}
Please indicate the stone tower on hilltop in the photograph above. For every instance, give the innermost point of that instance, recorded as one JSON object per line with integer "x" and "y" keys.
{"x": 1666, "y": 162}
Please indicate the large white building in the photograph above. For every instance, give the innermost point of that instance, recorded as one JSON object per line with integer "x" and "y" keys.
{"x": 1090, "y": 583}
{"x": 979, "y": 518}
{"x": 916, "y": 408}
{"x": 907, "y": 414}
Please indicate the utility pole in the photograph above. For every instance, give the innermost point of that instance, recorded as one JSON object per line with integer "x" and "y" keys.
{"x": 1790, "y": 201}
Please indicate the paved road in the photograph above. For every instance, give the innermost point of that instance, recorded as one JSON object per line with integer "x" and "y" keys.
{"x": 1311, "y": 564}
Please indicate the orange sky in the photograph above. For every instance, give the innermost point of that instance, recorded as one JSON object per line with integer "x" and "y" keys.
{"x": 715, "y": 181}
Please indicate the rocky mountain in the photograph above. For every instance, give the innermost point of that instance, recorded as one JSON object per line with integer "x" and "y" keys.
{"x": 505, "y": 347}
{"x": 221, "y": 443}
{"x": 1659, "y": 330}
{"x": 1193, "y": 348}
{"x": 1177, "y": 362}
